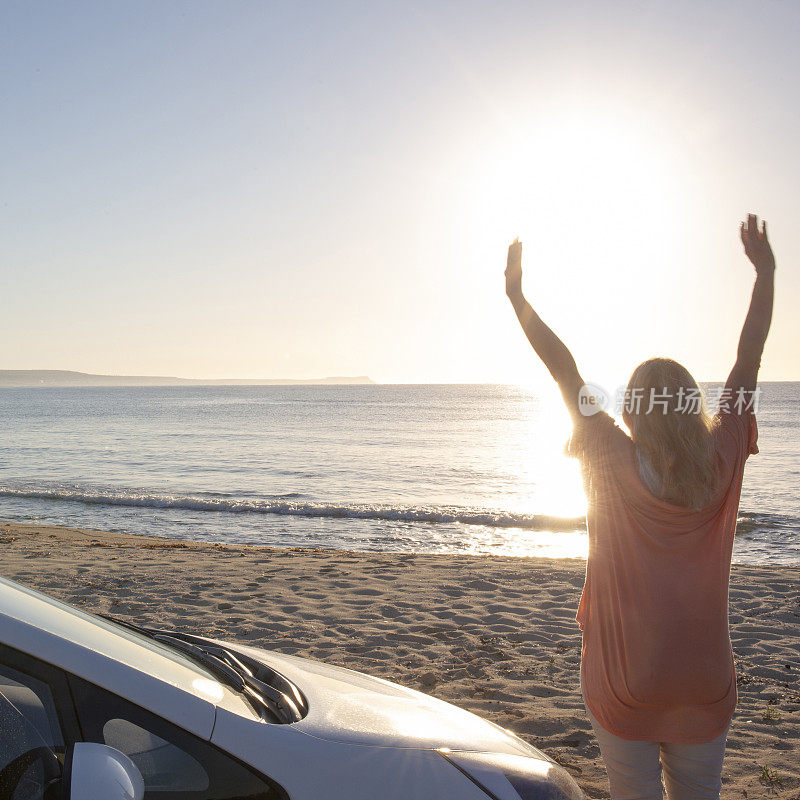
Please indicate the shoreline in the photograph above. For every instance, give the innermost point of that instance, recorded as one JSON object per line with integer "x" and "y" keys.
{"x": 493, "y": 634}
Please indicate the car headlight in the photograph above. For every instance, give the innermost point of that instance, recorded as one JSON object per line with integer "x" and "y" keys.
{"x": 506, "y": 777}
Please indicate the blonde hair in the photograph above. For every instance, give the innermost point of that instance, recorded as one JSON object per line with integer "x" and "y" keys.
{"x": 671, "y": 429}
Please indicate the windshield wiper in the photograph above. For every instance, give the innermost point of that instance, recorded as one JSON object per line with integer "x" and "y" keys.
{"x": 270, "y": 693}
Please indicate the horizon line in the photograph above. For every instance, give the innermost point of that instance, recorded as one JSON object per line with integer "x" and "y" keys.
{"x": 83, "y": 379}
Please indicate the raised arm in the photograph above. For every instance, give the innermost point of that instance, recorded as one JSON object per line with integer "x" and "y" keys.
{"x": 553, "y": 352}
{"x": 744, "y": 374}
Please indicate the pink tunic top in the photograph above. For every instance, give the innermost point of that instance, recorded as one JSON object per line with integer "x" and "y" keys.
{"x": 656, "y": 662}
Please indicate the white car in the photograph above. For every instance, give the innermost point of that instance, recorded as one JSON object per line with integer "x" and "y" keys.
{"x": 96, "y": 709}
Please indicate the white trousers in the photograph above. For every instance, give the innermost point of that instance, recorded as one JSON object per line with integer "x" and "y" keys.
{"x": 690, "y": 771}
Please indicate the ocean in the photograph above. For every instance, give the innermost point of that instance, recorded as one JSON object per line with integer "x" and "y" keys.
{"x": 474, "y": 469}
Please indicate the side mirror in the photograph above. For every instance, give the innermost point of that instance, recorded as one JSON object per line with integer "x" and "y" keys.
{"x": 94, "y": 771}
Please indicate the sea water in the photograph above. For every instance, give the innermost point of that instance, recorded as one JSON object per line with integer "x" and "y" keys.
{"x": 474, "y": 469}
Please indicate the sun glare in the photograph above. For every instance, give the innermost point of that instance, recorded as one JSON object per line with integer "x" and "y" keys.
{"x": 596, "y": 197}
{"x": 591, "y": 188}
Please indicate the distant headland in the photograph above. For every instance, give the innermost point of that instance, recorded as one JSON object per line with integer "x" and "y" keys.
{"x": 61, "y": 377}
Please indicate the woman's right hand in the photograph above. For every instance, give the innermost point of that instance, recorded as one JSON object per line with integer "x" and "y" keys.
{"x": 756, "y": 244}
{"x": 514, "y": 269}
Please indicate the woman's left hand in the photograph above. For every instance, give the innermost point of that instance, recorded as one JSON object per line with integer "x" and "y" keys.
{"x": 756, "y": 244}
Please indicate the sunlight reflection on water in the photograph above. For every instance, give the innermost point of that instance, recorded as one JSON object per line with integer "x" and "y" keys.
{"x": 539, "y": 544}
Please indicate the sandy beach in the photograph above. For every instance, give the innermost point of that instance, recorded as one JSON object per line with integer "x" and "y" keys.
{"x": 494, "y": 635}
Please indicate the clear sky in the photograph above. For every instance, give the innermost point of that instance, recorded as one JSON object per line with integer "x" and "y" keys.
{"x": 290, "y": 189}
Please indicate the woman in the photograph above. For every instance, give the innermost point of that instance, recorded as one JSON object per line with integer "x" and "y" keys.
{"x": 657, "y": 671}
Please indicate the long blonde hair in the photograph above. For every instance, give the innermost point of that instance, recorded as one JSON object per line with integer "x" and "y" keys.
{"x": 672, "y": 431}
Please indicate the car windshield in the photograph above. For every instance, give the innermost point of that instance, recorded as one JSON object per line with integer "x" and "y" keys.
{"x": 269, "y": 692}
{"x": 154, "y": 646}
{"x": 102, "y": 627}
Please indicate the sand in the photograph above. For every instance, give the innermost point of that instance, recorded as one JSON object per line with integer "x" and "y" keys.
{"x": 494, "y": 635}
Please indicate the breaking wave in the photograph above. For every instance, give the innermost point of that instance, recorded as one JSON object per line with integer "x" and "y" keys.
{"x": 297, "y": 505}
{"x": 290, "y": 505}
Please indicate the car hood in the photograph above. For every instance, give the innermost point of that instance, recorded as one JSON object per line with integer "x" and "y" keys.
{"x": 350, "y": 707}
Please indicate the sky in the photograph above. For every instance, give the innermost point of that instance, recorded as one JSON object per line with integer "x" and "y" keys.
{"x": 295, "y": 189}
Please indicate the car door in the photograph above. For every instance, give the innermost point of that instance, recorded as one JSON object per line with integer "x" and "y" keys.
{"x": 175, "y": 764}
{"x": 43, "y": 710}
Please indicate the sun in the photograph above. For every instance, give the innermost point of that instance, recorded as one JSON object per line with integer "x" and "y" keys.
{"x": 589, "y": 188}
{"x": 597, "y": 195}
